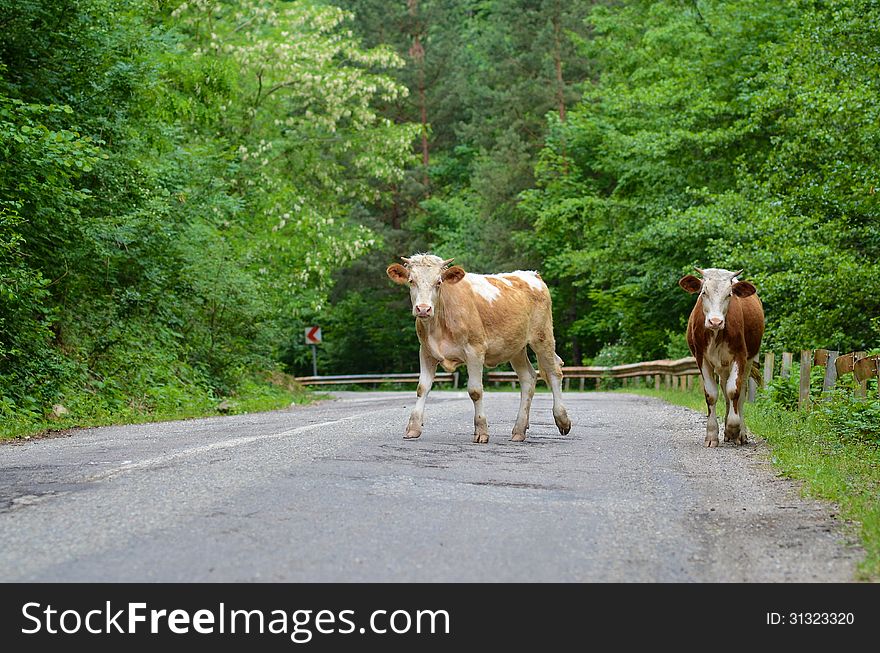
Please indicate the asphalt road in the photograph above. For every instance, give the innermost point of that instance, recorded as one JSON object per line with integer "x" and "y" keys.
{"x": 332, "y": 492}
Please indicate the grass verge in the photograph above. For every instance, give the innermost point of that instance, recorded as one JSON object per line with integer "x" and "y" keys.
{"x": 85, "y": 410}
{"x": 804, "y": 447}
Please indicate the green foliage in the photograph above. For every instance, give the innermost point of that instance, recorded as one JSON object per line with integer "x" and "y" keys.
{"x": 852, "y": 417}
{"x": 783, "y": 391}
{"x": 727, "y": 135}
{"x": 177, "y": 193}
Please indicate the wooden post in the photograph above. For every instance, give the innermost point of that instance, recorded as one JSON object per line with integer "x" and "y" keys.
{"x": 656, "y": 382}
{"x": 583, "y": 380}
{"x": 769, "y": 360}
{"x": 455, "y": 381}
{"x": 864, "y": 369}
{"x": 804, "y": 393}
{"x": 830, "y": 372}
{"x": 753, "y": 389}
{"x": 863, "y": 385}
{"x": 598, "y": 382}
{"x": 567, "y": 384}
{"x": 625, "y": 380}
{"x": 786, "y": 363}
{"x": 877, "y": 374}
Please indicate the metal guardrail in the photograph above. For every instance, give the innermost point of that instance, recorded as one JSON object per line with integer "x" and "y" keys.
{"x": 673, "y": 369}
{"x": 680, "y": 372}
{"x": 354, "y": 379}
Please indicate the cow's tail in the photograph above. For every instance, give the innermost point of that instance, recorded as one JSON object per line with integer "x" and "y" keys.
{"x": 755, "y": 374}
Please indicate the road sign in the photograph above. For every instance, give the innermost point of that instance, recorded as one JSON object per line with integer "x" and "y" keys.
{"x": 313, "y": 335}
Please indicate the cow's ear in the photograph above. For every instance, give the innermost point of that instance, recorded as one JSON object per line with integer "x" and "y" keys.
{"x": 397, "y": 273}
{"x": 454, "y": 274}
{"x": 744, "y": 289}
{"x": 690, "y": 283}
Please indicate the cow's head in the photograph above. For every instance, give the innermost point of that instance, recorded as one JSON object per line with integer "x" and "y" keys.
{"x": 716, "y": 288}
{"x": 424, "y": 273}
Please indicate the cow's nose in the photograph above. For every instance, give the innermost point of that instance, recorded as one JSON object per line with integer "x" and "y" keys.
{"x": 716, "y": 322}
{"x": 423, "y": 310}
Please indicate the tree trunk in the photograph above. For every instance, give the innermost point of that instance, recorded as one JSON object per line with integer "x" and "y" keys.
{"x": 560, "y": 80}
{"x": 417, "y": 52}
{"x": 557, "y": 62}
{"x": 576, "y": 352}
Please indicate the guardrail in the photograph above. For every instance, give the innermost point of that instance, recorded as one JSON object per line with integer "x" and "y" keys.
{"x": 681, "y": 373}
{"x": 858, "y": 363}
{"x": 354, "y": 379}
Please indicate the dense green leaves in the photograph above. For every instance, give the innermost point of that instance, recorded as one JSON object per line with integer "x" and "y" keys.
{"x": 178, "y": 185}
{"x": 738, "y": 134}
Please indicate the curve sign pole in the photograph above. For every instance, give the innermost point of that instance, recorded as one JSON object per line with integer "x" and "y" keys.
{"x": 314, "y": 338}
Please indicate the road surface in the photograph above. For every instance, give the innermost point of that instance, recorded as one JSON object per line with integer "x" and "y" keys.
{"x": 332, "y": 492}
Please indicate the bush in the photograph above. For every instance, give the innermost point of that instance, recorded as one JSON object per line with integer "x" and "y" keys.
{"x": 851, "y": 417}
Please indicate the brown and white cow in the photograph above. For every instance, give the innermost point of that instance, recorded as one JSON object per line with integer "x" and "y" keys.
{"x": 724, "y": 334}
{"x": 481, "y": 320}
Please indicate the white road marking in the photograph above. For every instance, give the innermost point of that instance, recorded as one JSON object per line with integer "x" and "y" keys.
{"x": 225, "y": 444}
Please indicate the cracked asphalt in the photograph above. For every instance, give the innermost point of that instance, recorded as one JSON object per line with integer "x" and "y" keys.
{"x": 331, "y": 492}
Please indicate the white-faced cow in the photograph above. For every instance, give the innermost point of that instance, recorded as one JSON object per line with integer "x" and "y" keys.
{"x": 481, "y": 320}
{"x": 724, "y": 334}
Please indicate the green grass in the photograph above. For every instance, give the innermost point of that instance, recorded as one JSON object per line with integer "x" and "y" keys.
{"x": 87, "y": 410}
{"x": 808, "y": 447}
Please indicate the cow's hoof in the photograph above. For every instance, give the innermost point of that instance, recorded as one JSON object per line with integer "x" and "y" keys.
{"x": 481, "y": 438}
{"x": 518, "y": 437}
{"x": 735, "y": 435}
{"x": 711, "y": 443}
{"x": 563, "y": 424}
{"x": 411, "y": 435}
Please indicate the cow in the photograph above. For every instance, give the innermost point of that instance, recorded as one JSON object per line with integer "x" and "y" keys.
{"x": 724, "y": 334}
{"x": 481, "y": 320}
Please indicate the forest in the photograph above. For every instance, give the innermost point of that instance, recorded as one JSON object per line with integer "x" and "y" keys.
{"x": 186, "y": 185}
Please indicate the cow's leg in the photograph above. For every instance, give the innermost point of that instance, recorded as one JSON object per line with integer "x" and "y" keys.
{"x": 735, "y": 391}
{"x": 723, "y": 378}
{"x": 427, "y": 370}
{"x": 475, "y": 390}
{"x": 711, "y": 391}
{"x": 527, "y": 379}
{"x": 551, "y": 367}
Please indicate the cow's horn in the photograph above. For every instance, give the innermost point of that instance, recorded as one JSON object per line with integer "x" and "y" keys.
{"x": 700, "y": 270}
{"x": 448, "y": 261}
{"x": 406, "y": 260}
{"x": 736, "y": 274}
